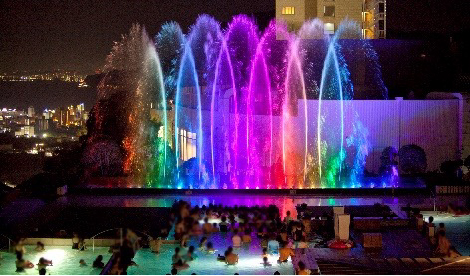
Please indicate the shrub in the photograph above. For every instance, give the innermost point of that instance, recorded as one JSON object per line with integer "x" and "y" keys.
{"x": 412, "y": 159}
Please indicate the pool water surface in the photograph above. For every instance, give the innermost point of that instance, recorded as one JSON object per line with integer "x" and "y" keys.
{"x": 65, "y": 260}
{"x": 250, "y": 260}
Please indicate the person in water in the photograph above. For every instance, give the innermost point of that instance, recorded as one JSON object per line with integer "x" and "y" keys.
{"x": 284, "y": 253}
{"x": 44, "y": 263}
{"x": 266, "y": 262}
{"x": 82, "y": 262}
{"x": 190, "y": 256}
{"x": 21, "y": 265}
{"x": 39, "y": 246}
{"x": 180, "y": 265}
{"x": 176, "y": 257}
{"x": 98, "y": 262}
{"x": 202, "y": 243}
{"x": 231, "y": 258}
{"x": 302, "y": 270}
{"x": 265, "y": 253}
{"x": 210, "y": 248}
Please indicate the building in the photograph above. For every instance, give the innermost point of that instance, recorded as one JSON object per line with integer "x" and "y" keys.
{"x": 31, "y": 112}
{"x": 26, "y": 131}
{"x": 370, "y": 14}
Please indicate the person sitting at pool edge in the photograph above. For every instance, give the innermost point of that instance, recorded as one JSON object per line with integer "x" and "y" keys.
{"x": 285, "y": 252}
{"x": 302, "y": 269}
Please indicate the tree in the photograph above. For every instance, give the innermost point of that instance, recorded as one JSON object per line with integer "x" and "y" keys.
{"x": 388, "y": 160}
{"x": 412, "y": 159}
{"x": 103, "y": 158}
{"x": 169, "y": 43}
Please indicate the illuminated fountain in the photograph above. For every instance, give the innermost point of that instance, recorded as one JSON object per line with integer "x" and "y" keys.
{"x": 235, "y": 108}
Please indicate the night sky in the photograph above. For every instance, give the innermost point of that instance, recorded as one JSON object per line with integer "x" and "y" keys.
{"x": 77, "y": 35}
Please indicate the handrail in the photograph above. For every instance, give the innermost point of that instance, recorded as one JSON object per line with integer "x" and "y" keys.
{"x": 106, "y": 269}
{"x": 9, "y": 241}
{"x": 93, "y": 237}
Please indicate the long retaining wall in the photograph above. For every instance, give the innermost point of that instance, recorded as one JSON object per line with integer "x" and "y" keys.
{"x": 433, "y": 124}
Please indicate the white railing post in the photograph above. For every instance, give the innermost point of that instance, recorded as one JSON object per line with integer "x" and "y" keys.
{"x": 93, "y": 239}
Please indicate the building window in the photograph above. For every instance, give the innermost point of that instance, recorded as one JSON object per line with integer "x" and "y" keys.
{"x": 329, "y": 28}
{"x": 288, "y": 10}
{"x": 381, "y": 7}
{"x": 381, "y": 25}
{"x": 188, "y": 141}
{"x": 329, "y": 11}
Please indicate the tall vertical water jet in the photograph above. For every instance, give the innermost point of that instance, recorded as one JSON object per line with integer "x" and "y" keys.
{"x": 331, "y": 88}
{"x": 294, "y": 80}
{"x": 312, "y": 49}
{"x": 223, "y": 77}
{"x": 156, "y": 83}
{"x": 184, "y": 81}
{"x": 242, "y": 40}
{"x": 259, "y": 92}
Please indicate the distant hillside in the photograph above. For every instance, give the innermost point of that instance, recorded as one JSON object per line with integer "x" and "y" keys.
{"x": 45, "y": 94}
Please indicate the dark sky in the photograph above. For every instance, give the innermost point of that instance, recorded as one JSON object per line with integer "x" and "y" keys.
{"x": 77, "y": 35}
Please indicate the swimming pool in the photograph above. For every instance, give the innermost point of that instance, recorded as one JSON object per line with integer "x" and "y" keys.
{"x": 457, "y": 229}
{"x": 64, "y": 258}
{"x": 250, "y": 260}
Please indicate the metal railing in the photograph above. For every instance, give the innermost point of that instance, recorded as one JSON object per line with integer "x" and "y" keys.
{"x": 120, "y": 233}
{"x": 10, "y": 241}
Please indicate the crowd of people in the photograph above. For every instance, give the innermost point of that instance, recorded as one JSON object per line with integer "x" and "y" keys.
{"x": 241, "y": 225}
